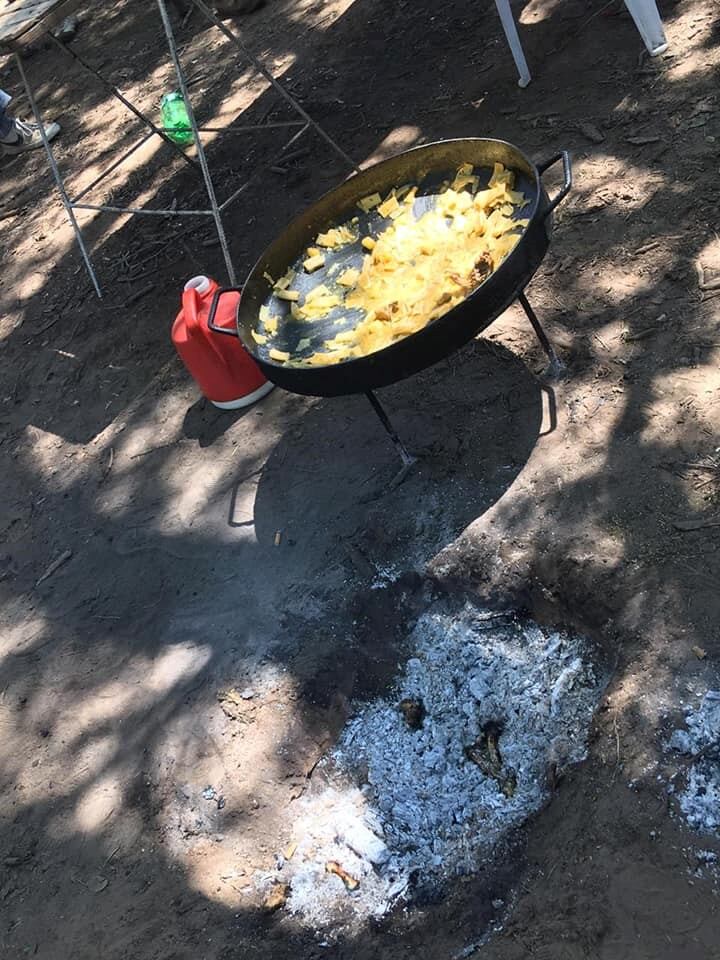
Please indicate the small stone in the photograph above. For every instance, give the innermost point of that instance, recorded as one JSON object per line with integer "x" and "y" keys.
{"x": 247, "y": 694}
{"x": 498, "y": 904}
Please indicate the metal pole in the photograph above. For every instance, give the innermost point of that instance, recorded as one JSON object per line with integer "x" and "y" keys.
{"x": 140, "y": 212}
{"x": 123, "y": 100}
{"x": 198, "y": 143}
{"x": 58, "y": 179}
{"x": 243, "y": 128}
{"x": 276, "y": 159}
{"x": 407, "y": 459}
{"x": 539, "y": 332}
{"x": 261, "y": 68}
{"x": 113, "y": 166}
{"x": 235, "y": 194}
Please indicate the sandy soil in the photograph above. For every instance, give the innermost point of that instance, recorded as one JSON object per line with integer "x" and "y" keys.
{"x": 589, "y": 501}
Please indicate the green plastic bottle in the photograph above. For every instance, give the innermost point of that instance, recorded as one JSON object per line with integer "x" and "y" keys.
{"x": 175, "y": 118}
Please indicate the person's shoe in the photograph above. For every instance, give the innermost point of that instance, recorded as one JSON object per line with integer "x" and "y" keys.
{"x": 26, "y": 136}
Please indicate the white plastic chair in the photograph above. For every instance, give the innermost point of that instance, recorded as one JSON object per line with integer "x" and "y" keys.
{"x": 644, "y": 13}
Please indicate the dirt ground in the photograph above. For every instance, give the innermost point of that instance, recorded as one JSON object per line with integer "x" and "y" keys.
{"x": 208, "y": 553}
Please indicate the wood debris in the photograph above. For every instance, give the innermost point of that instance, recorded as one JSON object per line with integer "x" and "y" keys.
{"x": 108, "y": 466}
{"x": 646, "y": 332}
{"x": 699, "y": 524}
{"x": 54, "y": 566}
{"x": 351, "y": 883}
{"x": 138, "y": 294}
{"x": 705, "y": 284}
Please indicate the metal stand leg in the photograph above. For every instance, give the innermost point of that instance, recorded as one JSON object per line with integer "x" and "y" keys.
{"x": 556, "y": 364}
{"x": 58, "y": 178}
{"x": 111, "y": 88}
{"x": 260, "y": 67}
{"x": 407, "y": 459}
{"x": 198, "y": 143}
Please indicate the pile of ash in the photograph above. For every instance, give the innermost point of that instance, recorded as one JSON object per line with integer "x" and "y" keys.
{"x": 700, "y": 799}
{"x": 424, "y": 783}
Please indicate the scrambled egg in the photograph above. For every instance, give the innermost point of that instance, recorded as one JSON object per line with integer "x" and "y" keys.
{"x": 416, "y": 270}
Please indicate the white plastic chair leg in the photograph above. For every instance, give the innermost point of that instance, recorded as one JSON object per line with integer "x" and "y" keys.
{"x": 647, "y": 20}
{"x": 511, "y": 34}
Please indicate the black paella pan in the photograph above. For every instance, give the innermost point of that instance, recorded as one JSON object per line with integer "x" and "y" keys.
{"x": 428, "y": 167}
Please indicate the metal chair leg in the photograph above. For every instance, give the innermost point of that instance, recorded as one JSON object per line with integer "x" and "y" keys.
{"x": 650, "y": 26}
{"x": 513, "y": 39}
{"x": 58, "y": 179}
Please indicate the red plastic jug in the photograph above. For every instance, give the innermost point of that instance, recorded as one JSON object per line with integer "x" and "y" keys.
{"x": 205, "y": 337}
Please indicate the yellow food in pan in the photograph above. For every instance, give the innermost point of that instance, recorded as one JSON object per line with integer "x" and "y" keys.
{"x": 415, "y": 270}
{"x": 336, "y": 237}
{"x": 314, "y": 263}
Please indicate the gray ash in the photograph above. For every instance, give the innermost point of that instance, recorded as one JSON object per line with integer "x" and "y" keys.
{"x": 430, "y": 792}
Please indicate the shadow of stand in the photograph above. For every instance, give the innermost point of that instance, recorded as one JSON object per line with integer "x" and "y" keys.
{"x": 472, "y": 421}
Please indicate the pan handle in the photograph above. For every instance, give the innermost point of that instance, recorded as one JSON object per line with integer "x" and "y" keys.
{"x": 567, "y": 177}
{"x": 213, "y": 310}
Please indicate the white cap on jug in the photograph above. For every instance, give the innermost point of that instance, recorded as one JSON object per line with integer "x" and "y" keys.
{"x": 201, "y": 284}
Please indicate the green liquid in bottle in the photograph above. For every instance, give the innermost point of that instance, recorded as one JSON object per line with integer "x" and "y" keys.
{"x": 175, "y": 118}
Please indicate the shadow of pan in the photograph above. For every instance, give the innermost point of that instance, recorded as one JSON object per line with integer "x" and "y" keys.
{"x": 472, "y": 421}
